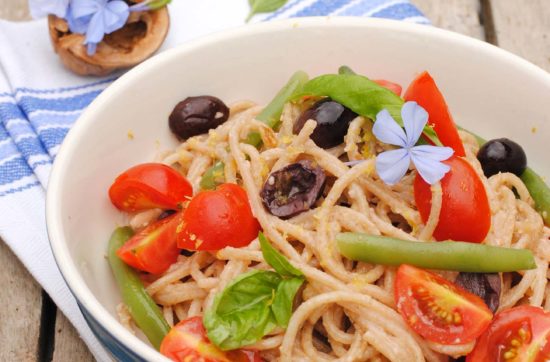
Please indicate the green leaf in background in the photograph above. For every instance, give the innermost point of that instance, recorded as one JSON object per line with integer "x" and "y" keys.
{"x": 277, "y": 260}
{"x": 157, "y": 4}
{"x": 264, "y": 6}
{"x": 344, "y": 69}
{"x": 360, "y": 94}
{"x": 254, "y": 303}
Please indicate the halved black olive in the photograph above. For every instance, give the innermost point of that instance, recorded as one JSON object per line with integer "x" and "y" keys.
{"x": 502, "y": 155}
{"x": 487, "y": 286}
{"x": 196, "y": 115}
{"x": 293, "y": 189}
{"x": 332, "y": 119}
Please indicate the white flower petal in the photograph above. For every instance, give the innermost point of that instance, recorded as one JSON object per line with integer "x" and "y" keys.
{"x": 414, "y": 120}
{"x": 427, "y": 160}
{"x": 392, "y": 165}
{"x": 116, "y": 13}
{"x": 81, "y": 8}
{"x": 437, "y": 153}
{"x": 41, "y": 8}
{"x": 387, "y": 130}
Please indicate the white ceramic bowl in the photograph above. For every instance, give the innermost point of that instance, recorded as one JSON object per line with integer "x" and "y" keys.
{"x": 490, "y": 91}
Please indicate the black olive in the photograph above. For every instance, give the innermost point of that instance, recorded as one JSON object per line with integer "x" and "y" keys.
{"x": 293, "y": 189}
{"x": 502, "y": 155}
{"x": 196, "y": 115}
{"x": 165, "y": 214}
{"x": 332, "y": 119}
{"x": 487, "y": 286}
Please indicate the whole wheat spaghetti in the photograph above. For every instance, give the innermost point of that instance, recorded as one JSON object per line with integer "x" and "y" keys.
{"x": 346, "y": 311}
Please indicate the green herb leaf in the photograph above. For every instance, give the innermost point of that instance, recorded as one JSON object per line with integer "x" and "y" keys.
{"x": 241, "y": 314}
{"x": 254, "y": 303}
{"x": 358, "y": 93}
{"x": 277, "y": 260}
{"x": 284, "y": 300}
{"x": 157, "y": 4}
{"x": 264, "y": 6}
{"x": 361, "y": 95}
{"x": 344, "y": 69}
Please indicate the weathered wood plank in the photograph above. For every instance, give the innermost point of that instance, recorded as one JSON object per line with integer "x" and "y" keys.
{"x": 21, "y": 305}
{"x": 523, "y": 27}
{"x": 68, "y": 345}
{"x": 462, "y": 16}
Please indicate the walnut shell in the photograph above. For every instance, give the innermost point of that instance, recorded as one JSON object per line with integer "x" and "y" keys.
{"x": 142, "y": 35}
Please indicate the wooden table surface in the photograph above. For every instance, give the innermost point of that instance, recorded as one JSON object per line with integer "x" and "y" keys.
{"x": 31, "y": 327}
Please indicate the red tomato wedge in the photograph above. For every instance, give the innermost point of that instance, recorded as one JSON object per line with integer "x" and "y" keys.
{"x": 216, "y": 219}
{"x": 520, "y": 334}
{"x": 437, "y": 309}
{"x": 424, "y": 91}
{"x": 154, "y": 248}
{"x": 187, "y": 342}
{"x": 149, "y": 186}
{"x": 465, "y": 214}
{"x": 394, "y": 87}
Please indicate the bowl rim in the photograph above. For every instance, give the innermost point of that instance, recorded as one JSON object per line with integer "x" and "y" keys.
{"x": 54, "y": 214}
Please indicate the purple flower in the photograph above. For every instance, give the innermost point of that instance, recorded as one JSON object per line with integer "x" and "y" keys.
{"x": 40, "y": 8}
{"x": 95, "y": 18}
{"x": 392, "y": 165}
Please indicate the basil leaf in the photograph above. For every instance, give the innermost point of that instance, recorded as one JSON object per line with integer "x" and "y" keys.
{"x": 277, "y": 260}
{"x": 254, "y": 303}
{"x": 358, "y": 93}
{"x": 241, "y": 314}
{"x": 264, "y": 6}
{"x": 361, "y": 95}
{"x": 344, "y": 69}
{"x": 284, "y": 300}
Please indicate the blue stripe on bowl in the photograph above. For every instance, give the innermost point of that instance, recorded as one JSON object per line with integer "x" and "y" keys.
{"x": 119, "y": 351}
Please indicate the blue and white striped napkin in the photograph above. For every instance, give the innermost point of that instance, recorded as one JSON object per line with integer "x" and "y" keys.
{"x": 40, "y": 100}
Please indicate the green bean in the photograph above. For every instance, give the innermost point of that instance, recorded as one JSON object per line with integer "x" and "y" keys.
{"x": 270, "y": 115}
{"x": 539, "y": 192}
{"x": 444, "y": 255}
{"x": 538, "y": 189}
{"x": 144, "y": 311}
{"x": 213, "y": 176}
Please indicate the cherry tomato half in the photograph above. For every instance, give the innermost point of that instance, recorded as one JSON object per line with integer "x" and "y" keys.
{"x": 520, "y": 334}
{"x": 187, "y": 341}
{"x": 154, "y": 248}
{"x": 437, "y": 309}
{"x": 394, "y": 87}
{"x": 424, "y": 91}
{"x": 149, "y": 186}
{"x": 465, "y": 214}
{"x": 218, "y": 218}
